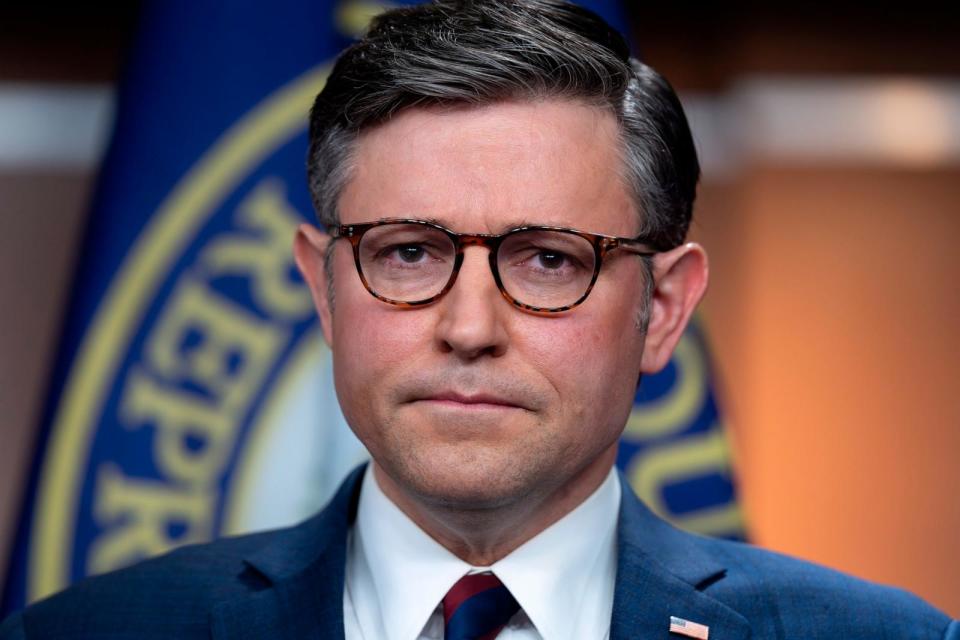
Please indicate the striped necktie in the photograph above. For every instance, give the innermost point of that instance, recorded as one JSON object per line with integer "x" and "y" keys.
{"x": 477, "y": 607}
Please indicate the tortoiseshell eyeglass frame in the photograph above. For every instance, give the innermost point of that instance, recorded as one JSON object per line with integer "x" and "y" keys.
{"x": 602, "y": 246}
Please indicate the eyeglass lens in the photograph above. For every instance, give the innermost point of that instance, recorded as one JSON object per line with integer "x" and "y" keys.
{"x": 538, "y": 267}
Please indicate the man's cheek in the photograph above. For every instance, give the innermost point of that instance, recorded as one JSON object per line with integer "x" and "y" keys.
{"x": 374, "y": 351}
{"x": 570, "y": 347}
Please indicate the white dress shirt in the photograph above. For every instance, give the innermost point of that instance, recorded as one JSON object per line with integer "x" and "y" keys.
{"x": 397, "y": 575}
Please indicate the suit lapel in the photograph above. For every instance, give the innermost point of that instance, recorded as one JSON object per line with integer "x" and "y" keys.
{"x": 303, "y": 573}
{"x": 660, "y": 573}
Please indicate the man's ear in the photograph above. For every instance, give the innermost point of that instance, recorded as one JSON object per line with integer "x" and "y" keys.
{"x": 680, "y": 280}
{"x": 310, "y": 251}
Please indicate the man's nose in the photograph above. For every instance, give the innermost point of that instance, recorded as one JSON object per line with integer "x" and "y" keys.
{"x": 473, "y": 313}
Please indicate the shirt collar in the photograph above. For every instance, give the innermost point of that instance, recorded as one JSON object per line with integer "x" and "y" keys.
{"x": 410, "y": 571}
{"x": 563, "y": 578}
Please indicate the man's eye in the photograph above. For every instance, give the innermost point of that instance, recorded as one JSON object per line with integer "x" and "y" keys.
{"x": 551, "y": 259}
{"x": 410, "y": 252}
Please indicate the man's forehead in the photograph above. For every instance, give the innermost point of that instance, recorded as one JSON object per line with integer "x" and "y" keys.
{"x": 502, "y": 165}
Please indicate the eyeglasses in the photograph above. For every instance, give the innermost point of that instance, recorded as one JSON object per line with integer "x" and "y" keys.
{"x": 543, "y": 269}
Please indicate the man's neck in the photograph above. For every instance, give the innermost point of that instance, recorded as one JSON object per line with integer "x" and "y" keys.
{"x": 483, "y": 536}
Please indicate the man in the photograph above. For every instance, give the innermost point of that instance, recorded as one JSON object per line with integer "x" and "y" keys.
{"x": 506, "y": 196}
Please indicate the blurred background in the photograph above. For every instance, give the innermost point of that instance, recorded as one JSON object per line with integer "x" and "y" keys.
{"x": 830, "y": 207}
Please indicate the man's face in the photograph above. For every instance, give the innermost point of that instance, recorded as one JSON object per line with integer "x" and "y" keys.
{"x": 470, "y": 401}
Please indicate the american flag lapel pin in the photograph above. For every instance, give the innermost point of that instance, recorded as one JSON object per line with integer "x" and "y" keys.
{"x": 690, "y": 629}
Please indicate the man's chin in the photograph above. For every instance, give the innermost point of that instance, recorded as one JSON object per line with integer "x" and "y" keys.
{"x": 461, "y": 485}
{"x": 480, "y": 497}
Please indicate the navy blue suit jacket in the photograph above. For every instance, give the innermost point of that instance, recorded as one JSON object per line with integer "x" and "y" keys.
{"x": 289, "y": 584}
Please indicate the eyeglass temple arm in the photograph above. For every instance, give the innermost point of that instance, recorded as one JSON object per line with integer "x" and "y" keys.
{"x": 633, "y": 245}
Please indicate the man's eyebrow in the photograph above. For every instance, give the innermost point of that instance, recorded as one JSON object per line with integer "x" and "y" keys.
{"x": 412, "y": 216}
{"x": 527, "y": 222}
{"x": 520, "y": 222}
{"x": 503, "y": 228}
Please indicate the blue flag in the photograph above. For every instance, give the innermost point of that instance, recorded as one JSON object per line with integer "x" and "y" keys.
{"x": 184, "y": 404}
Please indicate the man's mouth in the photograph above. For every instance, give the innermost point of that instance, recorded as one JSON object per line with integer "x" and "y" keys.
{"x": 477, "y": 401}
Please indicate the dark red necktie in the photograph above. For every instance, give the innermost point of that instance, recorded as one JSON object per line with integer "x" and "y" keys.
{"x": 477, "y": 607}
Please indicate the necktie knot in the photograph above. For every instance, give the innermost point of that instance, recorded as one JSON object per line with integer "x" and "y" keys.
{"x": 477, "y": 607}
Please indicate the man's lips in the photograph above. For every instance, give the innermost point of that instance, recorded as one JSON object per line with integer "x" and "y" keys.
{"x": 455, "y": 399}
{"x": 457, "y": 390}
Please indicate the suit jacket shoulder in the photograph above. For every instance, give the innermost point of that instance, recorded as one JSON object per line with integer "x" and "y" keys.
{"x": 284, "y": 583}
{"x": 742, "y": 591}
